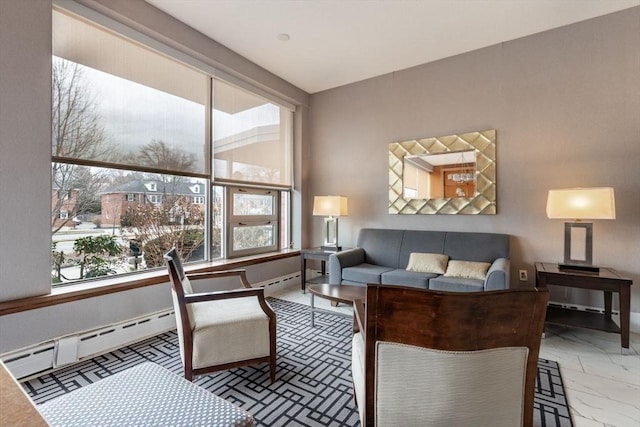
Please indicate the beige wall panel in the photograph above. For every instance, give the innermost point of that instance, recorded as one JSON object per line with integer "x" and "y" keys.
{"x": 25, "y": 148}
{"x": 566, "y": 107}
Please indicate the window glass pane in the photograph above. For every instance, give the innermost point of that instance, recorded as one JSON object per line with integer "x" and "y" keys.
{"x": 138, "y": 122}
{"x": 250, "y": 237}
{"x": 252, "y": 137}
{"x": 252, "y": 204}
{"x": 118, "y": 222}
{"x": 217, "y": 222}
{"x": 127, "y": 105}
{"x": 285, "y": 236}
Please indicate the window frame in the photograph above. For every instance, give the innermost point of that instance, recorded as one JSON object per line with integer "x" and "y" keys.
{"x": 279, "y": 229}
{"x": 236, "y": 222}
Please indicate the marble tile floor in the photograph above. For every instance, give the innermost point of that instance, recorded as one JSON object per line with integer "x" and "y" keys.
{"x": 602, "y": 385}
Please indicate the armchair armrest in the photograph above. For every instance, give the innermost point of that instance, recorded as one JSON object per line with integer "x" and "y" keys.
{"x": 217, "y": 274}
{"x": 343, "y": 259}
{"x": 221, "y": 295}
{"x": 246, "y": 291}
{"x": 498, "y": 275}
{"x": 236, "y": 293}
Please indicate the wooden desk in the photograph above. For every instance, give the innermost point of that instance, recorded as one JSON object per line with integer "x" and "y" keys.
{"x": 607, "y": 280}
{"x": 16, "y": 408}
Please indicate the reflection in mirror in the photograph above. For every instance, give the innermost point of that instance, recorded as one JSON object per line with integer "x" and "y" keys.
{"x": 452, "y": 174}
{"x": 442, "y": 175}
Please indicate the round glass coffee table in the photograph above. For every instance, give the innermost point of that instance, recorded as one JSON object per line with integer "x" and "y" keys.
{"x": 337, "y": 293}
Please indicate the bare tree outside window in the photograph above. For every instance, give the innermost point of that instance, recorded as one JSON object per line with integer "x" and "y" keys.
{"x": 76, "y": 133}
{"x": 160, "y": 155}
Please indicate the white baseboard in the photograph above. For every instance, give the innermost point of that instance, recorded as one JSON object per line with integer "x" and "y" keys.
{"x": 44, "y": 357}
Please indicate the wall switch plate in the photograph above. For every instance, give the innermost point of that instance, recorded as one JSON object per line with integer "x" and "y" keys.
{"x": 523, "y": 275}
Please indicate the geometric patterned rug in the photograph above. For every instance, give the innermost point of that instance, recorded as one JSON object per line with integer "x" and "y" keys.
{"x": 313, "y": 377}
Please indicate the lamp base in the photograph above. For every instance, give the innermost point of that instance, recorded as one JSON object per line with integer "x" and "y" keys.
{"x": 574, "y": 267}
{"x": 328, "y": 248}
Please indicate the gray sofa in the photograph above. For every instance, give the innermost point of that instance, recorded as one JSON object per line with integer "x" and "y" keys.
{"x": 382, "y": 255}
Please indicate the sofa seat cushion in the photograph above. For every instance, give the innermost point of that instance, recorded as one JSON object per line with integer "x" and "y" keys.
{"x": 364, "y": 273}
{"x": 412, "y": 279}
{"x": 456, "y": 284}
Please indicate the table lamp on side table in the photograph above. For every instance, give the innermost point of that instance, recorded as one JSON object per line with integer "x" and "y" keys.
{"x": 579, "y": 204}
{"x": 331, "y": 207}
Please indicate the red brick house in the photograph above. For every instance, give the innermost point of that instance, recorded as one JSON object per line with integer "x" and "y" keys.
{"x": 115, "y": 202}
{"x": 63, "y": 207}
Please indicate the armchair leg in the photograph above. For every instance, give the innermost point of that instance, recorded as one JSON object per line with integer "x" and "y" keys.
{"x": 272, "y": 367}
{"x": 272, "y": 346}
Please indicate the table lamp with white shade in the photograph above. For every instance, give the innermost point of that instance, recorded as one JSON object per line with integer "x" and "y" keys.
{"x": 580, "y": 204}
{"x": 331, "y": 207}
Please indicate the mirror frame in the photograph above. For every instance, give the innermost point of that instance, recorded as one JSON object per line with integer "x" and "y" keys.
{"x": 484, "y": 202}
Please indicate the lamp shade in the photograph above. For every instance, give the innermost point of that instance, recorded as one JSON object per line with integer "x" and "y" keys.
{"x": 581, "y": 203}
{"x": 330, "y": 206}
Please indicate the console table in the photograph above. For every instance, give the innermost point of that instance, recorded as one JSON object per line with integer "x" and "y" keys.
{"x": 607, "y": 280}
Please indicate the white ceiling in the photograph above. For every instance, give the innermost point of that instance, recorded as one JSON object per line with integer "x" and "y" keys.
{"x": 336, "y": 42}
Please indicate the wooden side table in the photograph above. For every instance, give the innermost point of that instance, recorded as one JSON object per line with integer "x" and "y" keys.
{"x": 607, "y": 280}
{"x": 314, "y": 253}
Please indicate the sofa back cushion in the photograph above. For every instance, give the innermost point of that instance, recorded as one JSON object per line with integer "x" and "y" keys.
{"x": 381, "y": 246}
{"x": 392, "y": 248}
{"x": 420, "y": 241}
{"x": 481, "y": 247}
{"x": 428, "y": 262}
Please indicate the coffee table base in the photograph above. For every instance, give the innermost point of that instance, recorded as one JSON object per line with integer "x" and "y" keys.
{"x": 336, "y": 293}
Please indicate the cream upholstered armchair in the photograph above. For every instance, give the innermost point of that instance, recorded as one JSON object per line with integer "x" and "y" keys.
{"x": 435, "y": 358}
{"x": 221, "y": 330}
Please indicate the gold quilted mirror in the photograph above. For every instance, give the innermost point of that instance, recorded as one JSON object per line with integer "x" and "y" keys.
{"x": 453, "y": 174}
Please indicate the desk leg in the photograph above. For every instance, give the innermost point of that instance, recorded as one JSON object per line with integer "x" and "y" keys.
{"x": 312, "y": 311}
{"x": 607, "y": 304}
{"x": 303, "y": 273}
{"x": 625, "y": 309}
{"x": 541, "y": 282}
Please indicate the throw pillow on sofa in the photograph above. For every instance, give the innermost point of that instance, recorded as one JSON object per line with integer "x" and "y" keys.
{"x": 467, "y": 269}
{"x": 427, "y": 262}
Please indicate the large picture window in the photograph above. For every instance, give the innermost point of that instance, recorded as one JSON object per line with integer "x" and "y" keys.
{"x": 132, "y": 156}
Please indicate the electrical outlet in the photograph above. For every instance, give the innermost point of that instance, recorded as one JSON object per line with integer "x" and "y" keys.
{"x": 523, "y": 275}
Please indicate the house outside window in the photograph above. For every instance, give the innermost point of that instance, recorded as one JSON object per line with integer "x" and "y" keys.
{"x": 141, "y": 165}
{"x": 156, "y": 199}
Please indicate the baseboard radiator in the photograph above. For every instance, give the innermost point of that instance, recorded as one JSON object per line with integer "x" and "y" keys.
{"x": 44, "y": 357}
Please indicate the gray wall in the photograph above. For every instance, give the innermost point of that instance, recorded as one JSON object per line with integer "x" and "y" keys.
{"x": 25, "y": 162}
{"x": 25, "y": 153}
{"x": 566, "y": 106}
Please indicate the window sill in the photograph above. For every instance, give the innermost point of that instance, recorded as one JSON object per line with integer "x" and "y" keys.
{"x": 65, "y": 294}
